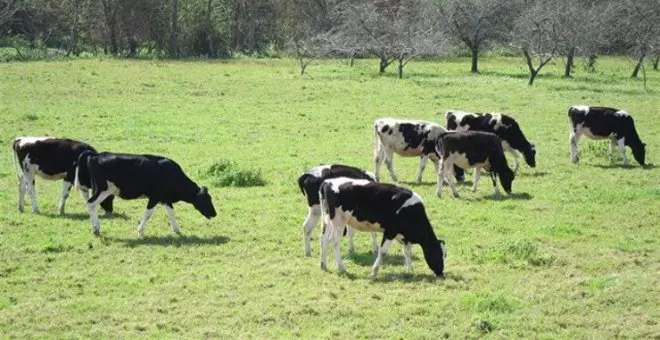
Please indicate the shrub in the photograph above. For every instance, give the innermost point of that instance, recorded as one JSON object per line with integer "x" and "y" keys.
{"x": 226, "y": 173}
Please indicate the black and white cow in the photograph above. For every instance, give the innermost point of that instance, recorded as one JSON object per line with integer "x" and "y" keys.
{"x": 406, "y": 138}
{"x": 52, "y": 159}
{"x": 473, "y": 149}
{"x": 504, "y": 126}
{"x": 604, "y": 123}
{"x": 310, "y": 183}
{"x": 130, "y": 176}
{"x": 377, "y": 207}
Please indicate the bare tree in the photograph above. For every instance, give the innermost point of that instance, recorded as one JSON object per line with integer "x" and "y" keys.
{"x": 391, "y": 30}
{"x": 640, "y": 26}
{"x": 476, "y": 23}
{"x": 174, "y": 31}
{"x": 536, "y": 34}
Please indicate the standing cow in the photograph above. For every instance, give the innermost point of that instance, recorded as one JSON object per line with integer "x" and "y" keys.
{"x": 310, "y": 183}
{"x": 369, "y": 206}
{"x": 604, "y": 123}
{"x": 504, "y": 126}
{"x": 473, "y": 149}
{"x": 51, "y": 159}
{"x": 406, "y": 138}
{"x": 129, "y": 176}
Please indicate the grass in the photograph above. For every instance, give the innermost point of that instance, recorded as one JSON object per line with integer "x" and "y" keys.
{"x": 573, "y": 254}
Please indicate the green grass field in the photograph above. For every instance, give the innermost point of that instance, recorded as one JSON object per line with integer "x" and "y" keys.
{"x": 574, "y": 255}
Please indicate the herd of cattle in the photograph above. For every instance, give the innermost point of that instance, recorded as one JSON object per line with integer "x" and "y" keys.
{"x": 345, "y": 197}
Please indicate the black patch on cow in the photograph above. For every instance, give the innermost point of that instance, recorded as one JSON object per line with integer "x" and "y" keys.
{"x": 309, "y": 184}
{"x": 413, "y": 135}
{"x": 385, "y": 128}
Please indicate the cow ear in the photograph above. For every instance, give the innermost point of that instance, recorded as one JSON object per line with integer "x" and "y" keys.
{"x": 205, "y": 190}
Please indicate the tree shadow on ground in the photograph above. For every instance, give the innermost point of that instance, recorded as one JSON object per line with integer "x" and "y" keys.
{"x": 173, "y": 240}
{"x": 84, "y": 216}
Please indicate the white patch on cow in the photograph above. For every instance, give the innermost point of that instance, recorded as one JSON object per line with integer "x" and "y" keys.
{"x": 444, "y": 251}
{"x": 371, "y": 175}
{"x": 496, "y": 119}
{"x": 582, "y": 108}
{"x": 368, "y": 226}
{"x": 318, "y": 171}
{"x": 460, "y": 160}
{"x": 381, "y": 254}
{"x": 313, "y": 216}
{"x": 622, "y": 113}
{"x": 170, "y": 213}
{"x": 336, "y": 182}
{"x": 143, "y": 221}
{"x": 414, "y": 199}
{"x": 458, "y": 116}
{"x": 66, "y": 187}
{"x": 29, "y": 140}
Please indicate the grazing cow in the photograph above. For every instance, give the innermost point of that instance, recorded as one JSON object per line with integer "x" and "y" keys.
{"x": 377, "y": 207}
{"x": 473, "y": 149}
{"x": 504, "y": 126}
{"x": 604, "y": 123}
{"x": 407, "y": 138}
{"x": 52, "y": 159}
{"x": 129, "y": 176}
{"x": 310, "y": 183}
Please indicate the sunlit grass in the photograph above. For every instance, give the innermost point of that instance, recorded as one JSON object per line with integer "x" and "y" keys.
{"x": 573, "y": 254}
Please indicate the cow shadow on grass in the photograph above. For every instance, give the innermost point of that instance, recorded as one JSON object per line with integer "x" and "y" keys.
{"x": 516, "y": 196}
{"x": 625, "y": 167}
{"x": 173, "y": 240}
{"x": 367, "y": 259}
{"x": 532, "y": 174}
{"x": 84, "y": 216}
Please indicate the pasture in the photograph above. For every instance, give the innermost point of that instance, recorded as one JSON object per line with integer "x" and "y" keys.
{"x": 574, "y": 253}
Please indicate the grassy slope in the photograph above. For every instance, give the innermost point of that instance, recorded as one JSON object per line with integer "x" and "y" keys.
{"x": 580, "y": 258}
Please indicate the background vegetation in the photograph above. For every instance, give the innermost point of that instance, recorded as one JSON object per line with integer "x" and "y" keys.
{"x": 573, "y": 254}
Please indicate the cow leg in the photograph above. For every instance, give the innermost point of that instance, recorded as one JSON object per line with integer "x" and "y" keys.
{"x": 325, "y": 235}
{"x": 459, "y": 174}
{"x": 622, "y": 146}
{"x": 379, "y": 156}
{"x": 389, "y": 155}
{"x": 516, "y": 164}
{"x": 170, "y": 213}
{"x": 351, "y": 237}
{"x": 374, "y": 242}
{"x": 93, "y": 201}
{"x": 22, "y": 187}
{"x": 477, "y": 174}
{"x": 445, "y": 173}
{"x": 613, "y": 146}
{"x": 32, "y": 191}
{"x": 493, "y": 176}
{"x": 573, "y": 140}
{"x": 422, "y": 165}
{"x": 381, "y": 254}
{"x": 313, "y": 216}
{"x": 441, "y": 178}
{"x": 66, "y": 188}
{"x": 84, "y": 191}
{"x": 407, "y": 255}
{"x": 151, "y": 205}
{"x": 335, "y": 240}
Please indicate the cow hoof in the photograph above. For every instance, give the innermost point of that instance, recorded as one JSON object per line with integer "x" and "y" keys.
{"x": 35, "y": 211}
{"x": 20, "y": 209}
{"x": 324, "y": 267}
{"x": 456, "y": 195}
{"x": 473, "y": 189}
{"x": 97, "y": 233}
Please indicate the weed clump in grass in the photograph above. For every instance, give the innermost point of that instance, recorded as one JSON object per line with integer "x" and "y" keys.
{"x": 226, "y": 173}
{"x": 511, "y": 251}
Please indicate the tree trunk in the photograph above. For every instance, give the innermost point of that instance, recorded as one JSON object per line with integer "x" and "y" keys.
{"x": 209, "y": 29}
{"x": 569, "y": 62}
{"x": 401, "y": 68}
{"x": 174, "y": 37}
{"x": 638, "y": 66}
{"x": 352, "y": 61}
{"x": 475, "y": 60}
{"x": 532, "y": 76}
{"x": 114, "y": 46}
{"x": 655, "y": 62}
{"x": 74, "y": 29}
{"x": 383, "y": 65}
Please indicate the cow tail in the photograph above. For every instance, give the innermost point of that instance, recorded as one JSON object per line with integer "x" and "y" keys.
{"x": 301, "y": 182}
{"x": 18, "y": 168}
{"x": 81, "y": 161}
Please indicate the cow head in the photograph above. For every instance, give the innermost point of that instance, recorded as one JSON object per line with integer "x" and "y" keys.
{"x": 202, "y": 202}
{"x": 530, "y": 155}
{"x": 506, "y": 178}
{"x": 434, "y": 254}
{"x": 639, "y": 153}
